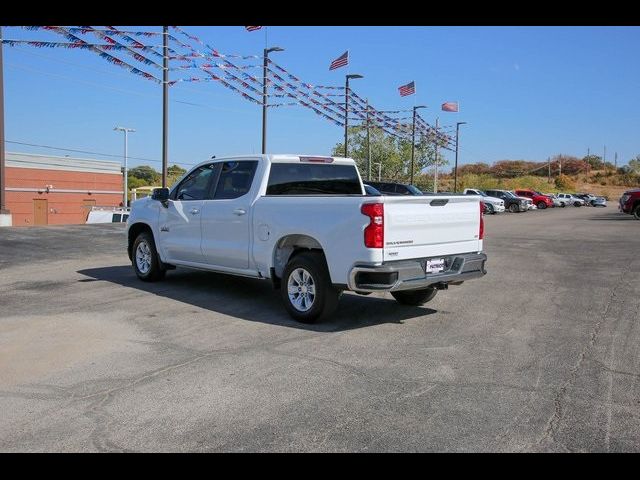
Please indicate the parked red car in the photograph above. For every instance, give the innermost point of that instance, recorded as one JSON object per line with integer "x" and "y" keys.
{"x": 630, "y": 203}
{"x": 539, "y": 200}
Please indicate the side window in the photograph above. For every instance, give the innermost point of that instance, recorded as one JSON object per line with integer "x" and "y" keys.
{"x": 196, "y": 185}
{"x": 235, "y": 179}
{"x": 402, "y": 190}
{"x": 116, "y": 217}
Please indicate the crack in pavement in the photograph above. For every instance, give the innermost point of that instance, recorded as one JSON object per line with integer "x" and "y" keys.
{"x": 553, "y": 424}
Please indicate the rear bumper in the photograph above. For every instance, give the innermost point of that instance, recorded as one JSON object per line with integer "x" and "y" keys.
{"x": 410, "y": 274}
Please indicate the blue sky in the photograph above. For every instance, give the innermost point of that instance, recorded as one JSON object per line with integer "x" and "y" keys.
{"x": 526, "y": 92}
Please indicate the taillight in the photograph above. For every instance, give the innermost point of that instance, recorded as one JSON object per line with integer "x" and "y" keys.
{"x": 481, "y": 232}
{"x": 374, "y": 232}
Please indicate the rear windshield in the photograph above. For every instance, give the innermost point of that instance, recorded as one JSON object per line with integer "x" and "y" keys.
{"x": 310, "y": 179}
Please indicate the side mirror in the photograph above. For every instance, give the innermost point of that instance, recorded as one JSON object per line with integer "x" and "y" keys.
{"x": 160, "y": 194}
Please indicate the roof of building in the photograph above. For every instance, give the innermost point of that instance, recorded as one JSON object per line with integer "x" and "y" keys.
{"x": 49, "y": 162}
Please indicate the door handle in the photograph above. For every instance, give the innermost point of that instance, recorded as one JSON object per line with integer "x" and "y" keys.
{"x": 239, "y": 211}
{"x": 194, "y": 211}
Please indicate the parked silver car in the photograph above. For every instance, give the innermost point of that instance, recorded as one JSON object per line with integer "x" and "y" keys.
{"x": 570, "y": 199}
{"x": 556, "y": 201}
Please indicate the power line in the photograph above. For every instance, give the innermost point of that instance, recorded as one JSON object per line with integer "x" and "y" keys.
{"x": 91, "y": 153}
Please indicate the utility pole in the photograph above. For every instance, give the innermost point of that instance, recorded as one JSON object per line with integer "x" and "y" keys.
{"x": 435, "y": 175}
{"x": 615, "y": 161}
{"x": 165, "y": 104}
{"x": 588, "y": 162}
{"x": 413, "y": 139}
{"x": 455, "y": 169}
{"x": 604, "y": 159}
{"x": 559, "y": 165}
{"x": 126, "y": 179}
{"x": 346, "y": 109}
{"x": 5, "y": 214}
{"x": 368, "y": 145}
{"x": 549, "y": 167}
{"x": 265, "y": 83}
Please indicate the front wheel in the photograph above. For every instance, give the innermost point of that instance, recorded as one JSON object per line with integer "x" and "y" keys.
{"x": 576, "y": 204}
{"x": 542, "y": 205}
{"x": 306, "y": 291}
{"x": 636, "y": 213}
{"x": 415, "y": 297}
{"x": 562, "y": 204}
{"x": 146, "y": 262}
{"x": 489, "y": 209}
{"x": 513, "y": 208}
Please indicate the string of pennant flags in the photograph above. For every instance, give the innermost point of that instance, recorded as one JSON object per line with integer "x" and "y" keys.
{"x": 236, "y": 77}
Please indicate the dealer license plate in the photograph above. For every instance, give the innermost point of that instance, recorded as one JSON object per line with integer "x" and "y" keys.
{"x": 435, "y": 265}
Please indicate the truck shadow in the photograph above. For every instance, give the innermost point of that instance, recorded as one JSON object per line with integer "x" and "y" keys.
{"x": 614, "y": 217}
{"x": 255, "y": 300}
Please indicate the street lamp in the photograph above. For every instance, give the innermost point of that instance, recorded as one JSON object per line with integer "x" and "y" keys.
{"x": 126, "y": 131}
{"x": 346, "y": 108}
{"x": 455, "y": 171}
{"x": 413, "y": 138}
{"x": 264, "y": 94}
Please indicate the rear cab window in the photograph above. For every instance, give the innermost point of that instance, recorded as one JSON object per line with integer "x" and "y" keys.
{"x": 313, "y": 179}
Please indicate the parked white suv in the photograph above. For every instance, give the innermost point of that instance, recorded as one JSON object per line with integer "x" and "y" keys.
{"x": 494, "y": 205}
{"x": 305, "y": 223}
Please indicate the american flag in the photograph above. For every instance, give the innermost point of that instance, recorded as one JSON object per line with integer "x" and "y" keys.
{"x": 408, "y": 89}
{"x": 251, "y": 29}
{"x": 450, "y": 106}
{"x": 341, "y": 61}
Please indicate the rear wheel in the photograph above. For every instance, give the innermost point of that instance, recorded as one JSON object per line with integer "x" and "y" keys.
{"x": 576, "y": 204}
{"x": 146, "y": 262}
{"x": 542, "y": 205}
{"x": 562, "y": 204}
{"x": 415, "y": 297}
{"x": 636, "y": 213}
{"x": 307, "y": 292}
{"x": 513, "y": 208}
{"x": 489, "y": 209}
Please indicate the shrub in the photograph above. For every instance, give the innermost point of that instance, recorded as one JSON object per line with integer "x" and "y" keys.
{"x": 563, "y": 182}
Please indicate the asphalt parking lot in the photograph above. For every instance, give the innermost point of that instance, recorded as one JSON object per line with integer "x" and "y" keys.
{"x": 542, "y": 354}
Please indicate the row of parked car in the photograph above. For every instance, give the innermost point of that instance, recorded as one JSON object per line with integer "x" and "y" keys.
{"x": 497, "y": 201}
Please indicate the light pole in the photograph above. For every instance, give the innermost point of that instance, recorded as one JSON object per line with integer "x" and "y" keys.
{"x": 346, "y": 108}
{"x": 165, "y": 108}
{"x": 435, "y": 173}
{"x": 413, "y": 138}
{"x": 264, "y": 94}
{"x": 126, "y": 131}
{"x": 455, "y": 170}
{"x": 5, "y": 215}
{"x": 379, "y": 169}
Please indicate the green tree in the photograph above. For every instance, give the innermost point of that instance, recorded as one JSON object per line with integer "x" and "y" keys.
{"x": 594, "y": 161}
{"x": 174, "y": 172}
{"x": 390, "y": 155}
{"x": 146, "y": 173}
{"x": 634, "y": 164}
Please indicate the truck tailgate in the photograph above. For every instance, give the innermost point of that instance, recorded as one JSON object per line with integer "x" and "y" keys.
{"x": 430, "y": 226}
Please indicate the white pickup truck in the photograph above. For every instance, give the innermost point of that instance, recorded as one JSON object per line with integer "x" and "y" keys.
{"x": 305, "y": 223}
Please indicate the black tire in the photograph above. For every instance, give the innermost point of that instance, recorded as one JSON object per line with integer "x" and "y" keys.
{"x": 154, "y": 272}
{"x": 490, "y": 209}
{"x": 542, "y": 205}
{"x": 576, "y": 204}
{"x": 513, "y": 208}
{"x": 325, "y": 299}
{"x": 562, "y": 204}
{"x": 636, "y": 213}
{"x": 415, "y": 297}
